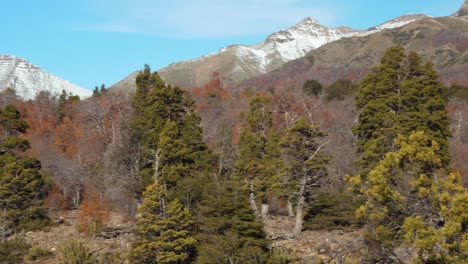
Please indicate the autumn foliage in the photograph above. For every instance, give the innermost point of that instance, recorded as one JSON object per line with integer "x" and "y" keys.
{"x": 94, "y": 212}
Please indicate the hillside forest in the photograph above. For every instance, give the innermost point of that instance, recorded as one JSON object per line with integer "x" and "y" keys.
{"x": 199, "y": 172}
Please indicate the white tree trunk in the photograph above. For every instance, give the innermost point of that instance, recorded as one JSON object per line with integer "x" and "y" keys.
{"x": 265, "y": 209}
{"x": 300, "y": 209}
{"x": 290, "y": 208}
{"x": 156, "y": 164}
{"x": 253, "y": 204}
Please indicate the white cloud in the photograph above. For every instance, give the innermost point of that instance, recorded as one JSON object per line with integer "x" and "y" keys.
{"x": 202, "y": 18}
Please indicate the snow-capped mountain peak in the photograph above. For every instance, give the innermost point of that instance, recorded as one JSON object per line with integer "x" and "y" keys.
{"x": 28, "y": 79}
{"x": 240, "y": 62}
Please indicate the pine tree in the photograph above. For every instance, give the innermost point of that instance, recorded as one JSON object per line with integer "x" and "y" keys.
{"x": 167, "y": 133}
{"x": 21, "y": 183}
{"x": 312, "y": 88}
{"x": 445, "y": 241}
{"x": 423, "y": 103}
{"x": 401, "y": 192}
{"x": 378, "y": 101}
{"x": 399, "y": 97}
{"x": 259, "y": 160}
{"x": 163, "y": 230}
{"x": 229, "y": 231}
{"x": 306, "y": 165}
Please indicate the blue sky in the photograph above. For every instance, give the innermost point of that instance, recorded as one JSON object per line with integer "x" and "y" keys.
{"x": 90, "y": 42}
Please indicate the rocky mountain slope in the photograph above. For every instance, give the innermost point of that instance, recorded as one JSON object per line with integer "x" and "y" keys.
{"x": 463, "y": 11}
{"x": 238, "y": 62}
{"x": 28, "y": 79}
{"x": 444, "y": 41}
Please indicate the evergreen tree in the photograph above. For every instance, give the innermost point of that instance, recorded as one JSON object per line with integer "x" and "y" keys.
{"x": 229, "y": 230}
{"x": 21, "y": 183}
{"x": 103, "y": 89}
{"x": 312, "y": 88}
{"x": 306, "y": 165}
{"x": 163, "y": 230}
{"x": 96, "y": 91}
{"x": 99, "y": 90}
{"x": 65, "y": 99}
{"x": 423, "y": 103}
{"x": 379, "y": 106}
{"x": 259, "y": 163}
{"x": 401, "y": 192}
{"x": 167, "y": 132}
{"x": 446, "y": 241}
{"x": 399, "y": 96}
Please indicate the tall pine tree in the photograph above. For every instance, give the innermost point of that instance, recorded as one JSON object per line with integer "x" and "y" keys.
{"x": 21, "y": 183}
{"x": 259, "y": 163}
{"x": 167, "y": 132}
{"x": 306, "y": 166}
{"x": 402, "y": 138}
{"x": 399, "y": 96}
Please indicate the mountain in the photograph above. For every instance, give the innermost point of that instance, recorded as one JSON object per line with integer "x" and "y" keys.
{"x": 239, "y": 62}
{"x": 28, "y": 79}
{"x": 443, "y": 41}
{"x": 463, "y": 11}
{"x": 396, "y": 22}
{"x": 125, "y": 85}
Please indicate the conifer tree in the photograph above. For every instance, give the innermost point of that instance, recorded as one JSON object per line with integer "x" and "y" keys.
{"x": 168, "y": 135}
{"x": 259, "y": 160}
{"x": 306, "y": 165}
{"x": 401, "y": 192}
{"x": 399, "y": 97}
{"x": 229, "y": 230}
{"x": 21, "y": 183}
{"x": 379, "y": 106}
{"x": 163, "y": 230}
{"x": 447, "y": 241}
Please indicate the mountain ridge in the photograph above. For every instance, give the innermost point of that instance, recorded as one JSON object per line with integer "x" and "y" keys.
{"x": 443, "y": 41}
{"x": 239, "y": 62}
{"x": 28, "y": 79}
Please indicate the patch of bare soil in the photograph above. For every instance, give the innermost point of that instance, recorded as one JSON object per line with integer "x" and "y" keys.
{"x": 116, "y": 236}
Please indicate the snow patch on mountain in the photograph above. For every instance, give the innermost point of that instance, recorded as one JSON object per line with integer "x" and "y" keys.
{"x": 28, "y": 79}
{"x": 397, "y": 22}
{"x": 239, "y": 62}
{"x": 278, "y": 48}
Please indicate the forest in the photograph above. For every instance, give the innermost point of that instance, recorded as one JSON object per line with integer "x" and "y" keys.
{"x": 200, "y": 172}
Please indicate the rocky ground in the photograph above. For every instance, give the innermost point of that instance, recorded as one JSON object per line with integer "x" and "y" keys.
{"x": 337, "y": 246}
{"x": 115, "y": 238}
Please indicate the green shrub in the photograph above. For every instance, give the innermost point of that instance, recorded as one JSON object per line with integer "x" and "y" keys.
{"x": 312, "y": 88}
{"x": 13, "y": 250}
{"x": 37, "y": 252}
{"x": 280, "y": 256}
{"x": 340, "y": 90}
{"x": 34, "y": 224}
{"x": 114, "y": 257}
{"x": 75, "y": 252}
{"x": 332, "y": 211}
{"x": 458, "y": 92}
